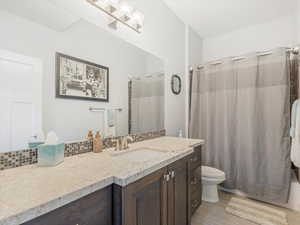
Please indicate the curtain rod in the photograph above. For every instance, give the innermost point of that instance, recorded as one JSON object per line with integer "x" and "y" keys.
{"x": 294, "y": 50}
{"x": 153, "y": 75}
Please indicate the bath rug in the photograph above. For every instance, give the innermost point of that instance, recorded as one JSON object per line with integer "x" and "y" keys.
{"x": 256, "y": 212}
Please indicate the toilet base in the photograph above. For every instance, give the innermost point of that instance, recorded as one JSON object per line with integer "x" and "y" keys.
{"x": 210, "y": 193}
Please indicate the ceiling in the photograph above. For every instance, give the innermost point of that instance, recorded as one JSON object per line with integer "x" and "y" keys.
{"x": 207, "y": 17}
{"x": 56, "y": 14}
{"x": 213, "y": 17}
{"x": 45, "y": 12}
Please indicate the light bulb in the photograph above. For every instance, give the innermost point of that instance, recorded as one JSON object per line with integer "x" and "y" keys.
{"x": 110, "y": 5}
{"x": 114, "y": 2}
{"x": 138, "y": 18}
{"x": 125, "y": 8}
{"x": 102, "y": 3}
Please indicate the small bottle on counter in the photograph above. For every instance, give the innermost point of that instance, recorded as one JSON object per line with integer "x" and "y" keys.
{"x": 90, "y": 135}
{"x": 97, "y": 143}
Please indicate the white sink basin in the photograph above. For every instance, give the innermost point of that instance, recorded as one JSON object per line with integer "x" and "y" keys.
{"x": 139, "y": 155}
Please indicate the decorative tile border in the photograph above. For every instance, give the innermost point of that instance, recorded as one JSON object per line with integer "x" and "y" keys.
{"x": 29, "y": 156}
{"x": 76, "y": 148}
{"x": 18, "y": 158}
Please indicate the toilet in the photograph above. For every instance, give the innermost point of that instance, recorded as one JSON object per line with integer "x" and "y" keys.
{"x": 211, "y": 178}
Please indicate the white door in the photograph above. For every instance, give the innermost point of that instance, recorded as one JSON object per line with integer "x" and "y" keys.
{"x": 20, "y": 100}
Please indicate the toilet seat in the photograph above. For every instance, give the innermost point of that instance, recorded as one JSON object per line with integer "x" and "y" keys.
{"x": 209, "y": 172}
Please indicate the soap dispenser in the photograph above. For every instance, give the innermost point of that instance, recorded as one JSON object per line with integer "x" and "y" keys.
{"x": 97, "y": 143}
{"x": 90, "y": 135}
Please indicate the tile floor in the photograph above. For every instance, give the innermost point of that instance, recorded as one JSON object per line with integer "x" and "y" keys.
{"x": 214, "y": 214}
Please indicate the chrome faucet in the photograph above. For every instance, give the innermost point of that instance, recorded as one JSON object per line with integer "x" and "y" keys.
{"x": 122, "y": 143}
{"x": 118, "y": 146}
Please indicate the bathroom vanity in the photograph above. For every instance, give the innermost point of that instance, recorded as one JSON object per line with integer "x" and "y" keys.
{"x": 168, "y": 196}
{"x": 129, "y": 190}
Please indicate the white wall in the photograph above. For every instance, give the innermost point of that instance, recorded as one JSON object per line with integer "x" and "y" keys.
{"x": 163, "y": 35}
{"x": 277, "y": 33}
{"x": 297, "y": 19}
{"x": 154, "y": 64}
{"x": 195, "y": 49}
{"x": 193, "y": 58}
{"x": 71, "y": 118}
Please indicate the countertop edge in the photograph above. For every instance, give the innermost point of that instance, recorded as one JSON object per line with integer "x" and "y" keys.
{"x": 124, "y": 182}
{"x": 54, "y": 204}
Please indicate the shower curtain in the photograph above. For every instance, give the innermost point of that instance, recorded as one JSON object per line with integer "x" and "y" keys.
{"x": 241, "y": 108}
{"x": 147, "y": 104}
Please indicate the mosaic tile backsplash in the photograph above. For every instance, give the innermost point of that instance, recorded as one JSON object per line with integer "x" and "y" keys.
{"x": 29, "y": 156}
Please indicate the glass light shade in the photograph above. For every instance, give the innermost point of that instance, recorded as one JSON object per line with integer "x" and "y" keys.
{"x": 106, "y": 3}
{"x": 138, "y": 18}
{"x": 113, "y": 2}
{"x": 125, "y": 8}
{"x": 101, "y": 3}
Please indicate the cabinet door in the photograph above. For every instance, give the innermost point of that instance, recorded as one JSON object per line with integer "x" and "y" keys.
{"x": 66, "y": 215}
{"x": 146, "y": 200}
{"x": 94, "y": 209}
{"x": 195, "y": 192}
{"x": 178, "y": 193}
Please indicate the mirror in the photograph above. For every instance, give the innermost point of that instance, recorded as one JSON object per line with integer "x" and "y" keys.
{"x": 176, "y": 84}
{"x": 146, "y": 103}
{"x": 84, "y": 78}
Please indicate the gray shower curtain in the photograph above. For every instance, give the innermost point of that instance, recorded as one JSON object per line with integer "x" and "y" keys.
{"x": 242, "y": 109}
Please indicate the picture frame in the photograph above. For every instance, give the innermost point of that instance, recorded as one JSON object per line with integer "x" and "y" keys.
{"x": 80, "y": 79}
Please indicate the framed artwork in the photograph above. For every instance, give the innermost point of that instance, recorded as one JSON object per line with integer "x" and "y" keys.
{"x": 80, "y": 79}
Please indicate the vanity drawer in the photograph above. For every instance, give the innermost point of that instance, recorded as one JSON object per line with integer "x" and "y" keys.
{"x": 94, "y": 209}
{"x": 195, "y": 159}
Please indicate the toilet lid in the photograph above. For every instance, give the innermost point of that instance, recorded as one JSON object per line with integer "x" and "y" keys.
{"x": 212, "y": 172}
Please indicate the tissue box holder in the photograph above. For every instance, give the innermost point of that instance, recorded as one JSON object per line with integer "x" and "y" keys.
{"x": 35, "y": 144}
{"x": 50, "y": 155}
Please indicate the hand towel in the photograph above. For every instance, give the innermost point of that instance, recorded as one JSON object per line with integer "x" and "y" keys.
{"x": 111, "y": 123}
{"x": 295, "y": 149}
{"x": 111, "y": 118}
{"x": 293, "y": 118}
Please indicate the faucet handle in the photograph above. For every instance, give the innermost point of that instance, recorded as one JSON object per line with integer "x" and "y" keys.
{"x": 129, "y": 138}
{"x": 124, "y": 144}
{"x": 117, "y": 141}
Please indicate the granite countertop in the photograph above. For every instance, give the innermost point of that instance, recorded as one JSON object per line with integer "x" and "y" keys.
{"x": 30, "y": 191}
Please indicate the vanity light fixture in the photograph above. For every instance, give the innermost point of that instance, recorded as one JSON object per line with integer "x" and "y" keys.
{"x": 120, "y": 12}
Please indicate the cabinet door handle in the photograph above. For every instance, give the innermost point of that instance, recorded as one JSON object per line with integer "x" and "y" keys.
{"x": 167, "y": 177}
{"x": 172, "y": 174}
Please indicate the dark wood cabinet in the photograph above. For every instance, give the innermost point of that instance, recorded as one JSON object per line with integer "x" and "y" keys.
{"x": 178, "y": 187}
{"x": 195, "y": 185}
{"x": 94, "y": 209}
{"x": 168, "y": 196}
{"x": 146, "y": 200}
{"x": 160, "y": 198}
